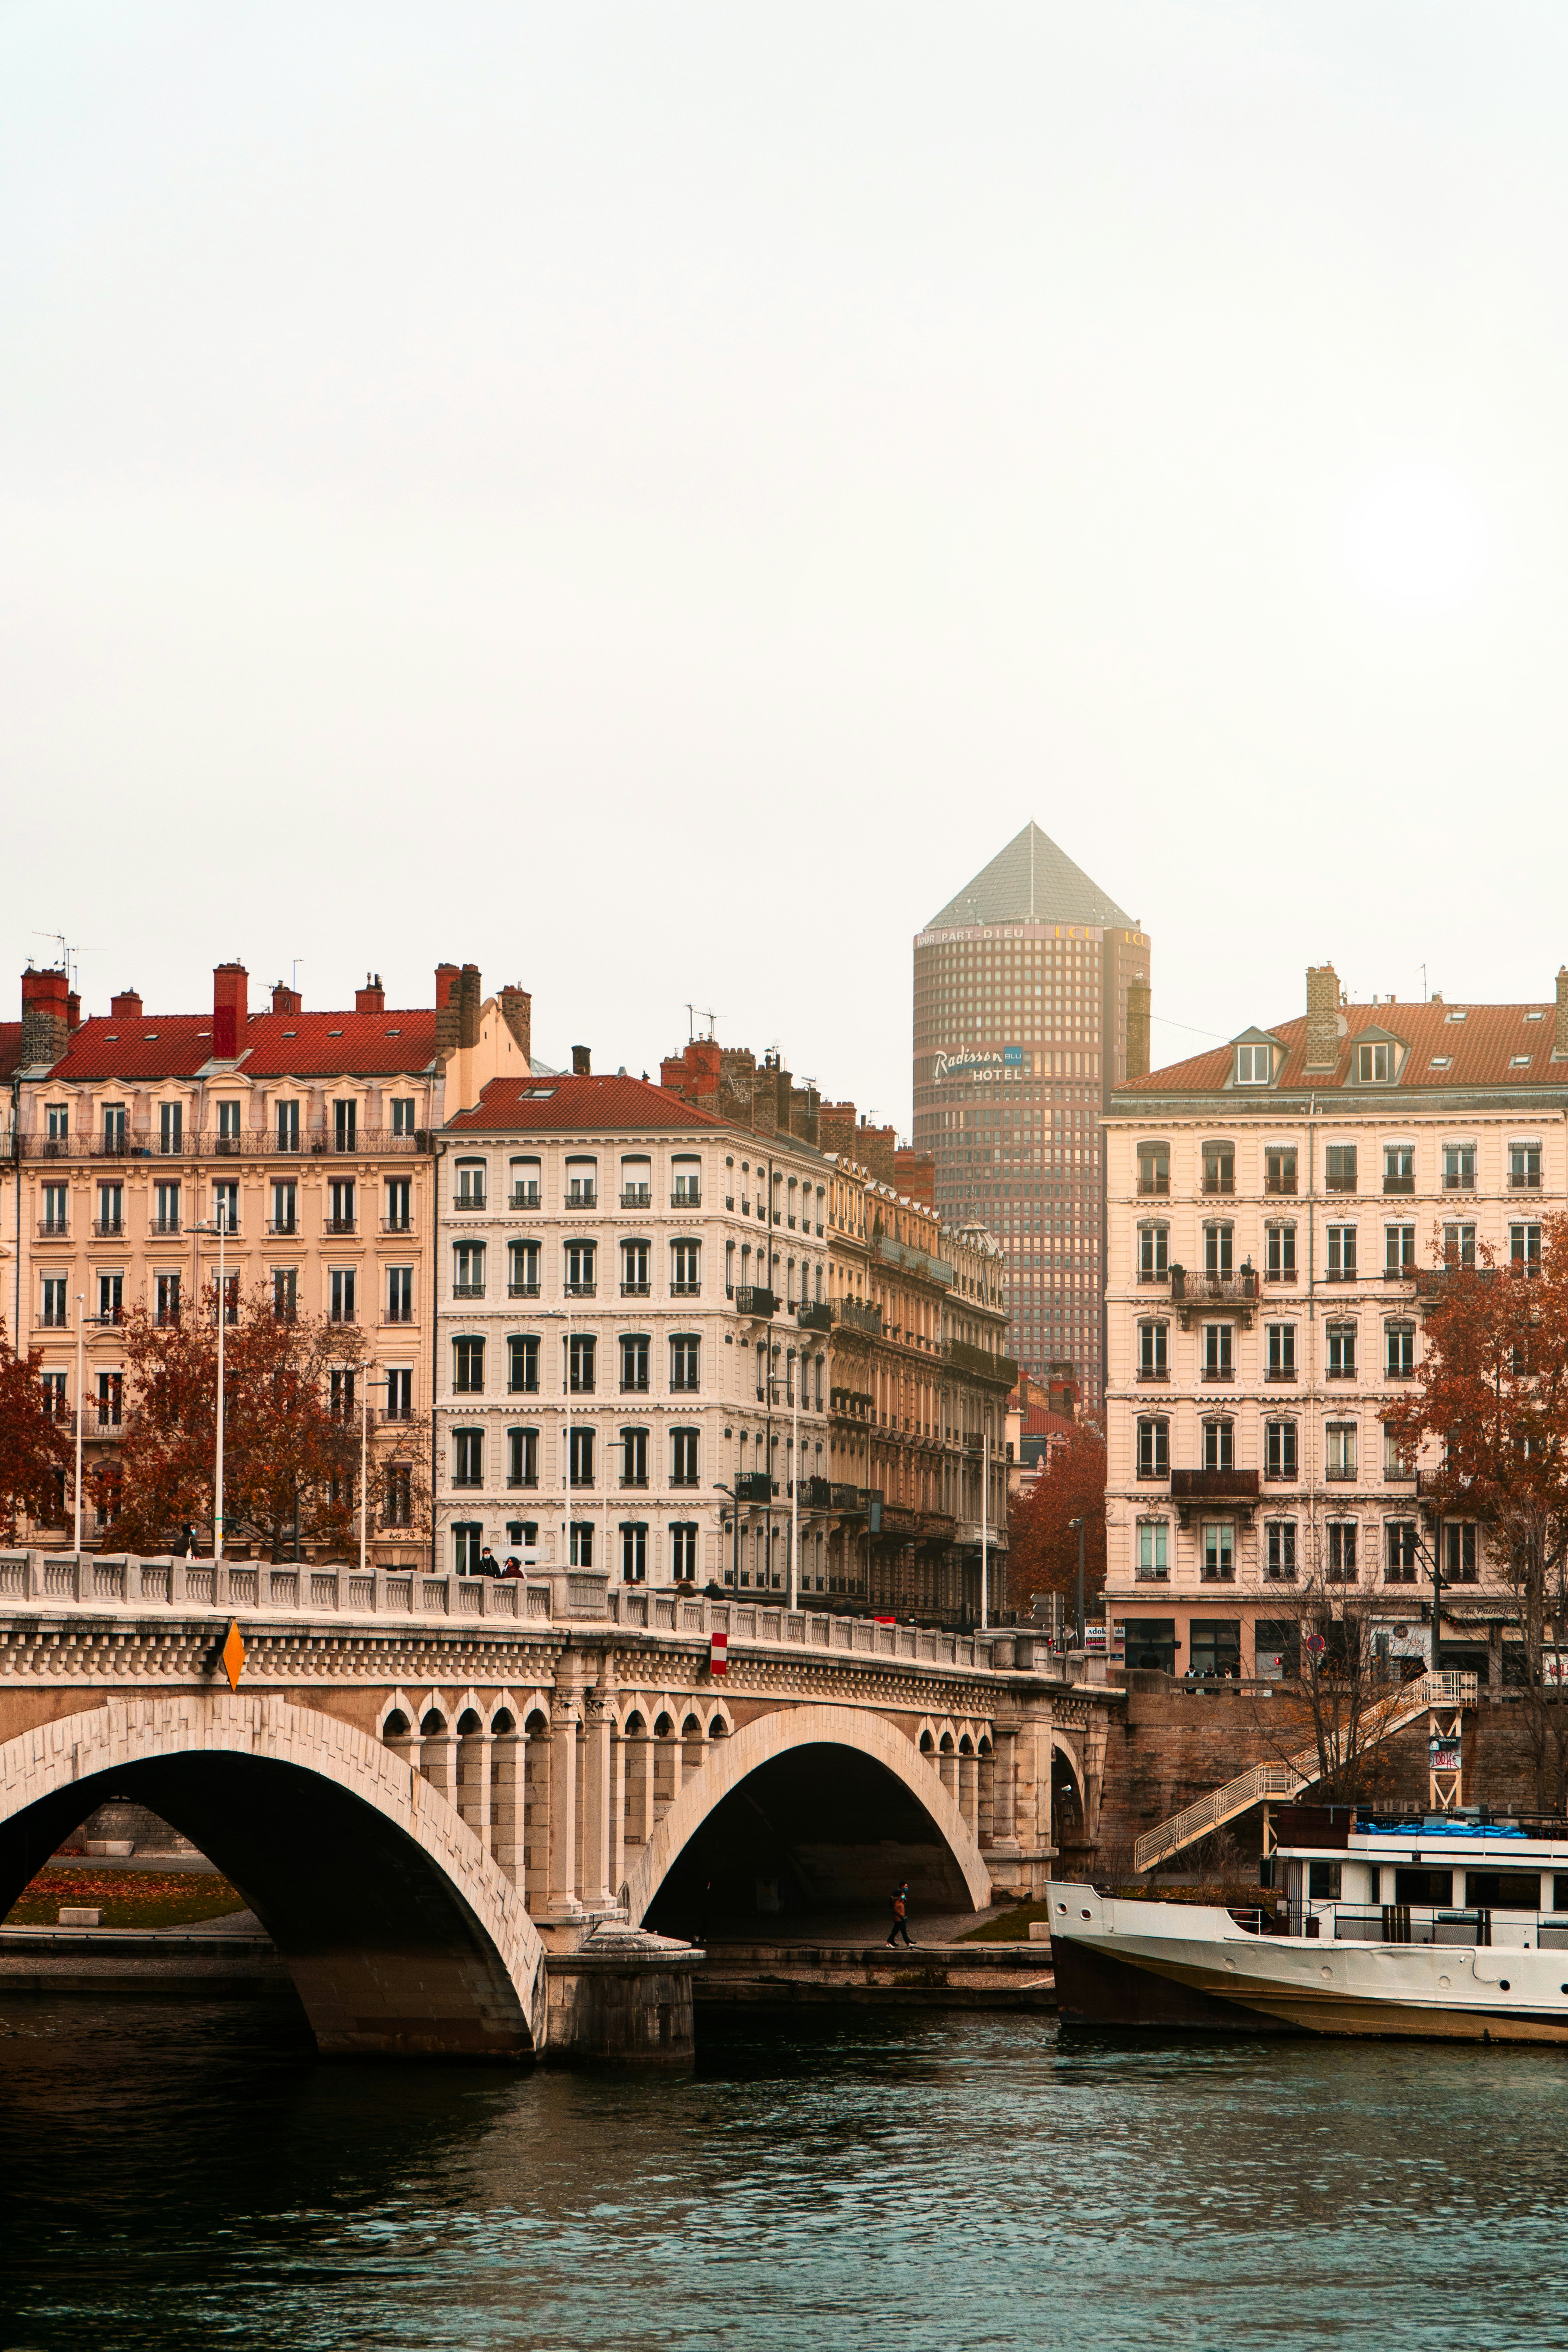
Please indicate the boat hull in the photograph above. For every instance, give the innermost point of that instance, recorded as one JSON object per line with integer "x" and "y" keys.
{"x": 1168, "y": 1968}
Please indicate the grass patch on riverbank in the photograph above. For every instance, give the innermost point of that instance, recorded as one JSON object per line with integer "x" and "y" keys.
{"x": 127, "y": 1898}
{"x": 1011, "y": 1927}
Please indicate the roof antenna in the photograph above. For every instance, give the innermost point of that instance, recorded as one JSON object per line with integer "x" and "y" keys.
{"x": 695, "y": 1012}
{"x": 68, "y": 954}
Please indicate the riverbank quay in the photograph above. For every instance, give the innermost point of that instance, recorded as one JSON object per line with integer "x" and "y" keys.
{"x": 855, "y": 1975}
{"x": 106, "y": 1963}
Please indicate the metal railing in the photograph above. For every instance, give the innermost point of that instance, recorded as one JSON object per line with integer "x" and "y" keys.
{"x": 373, "y": 1141}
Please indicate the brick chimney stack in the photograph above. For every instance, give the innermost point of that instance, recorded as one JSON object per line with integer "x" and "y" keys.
{"x": 371, "y": 997}
{"x": 1322, "y": 1018}
{"x": 73, "y": 1012}
{"x": 45, "y": 1015}
{"x": 286, "y": 1000}
{"x": 471, "y": 998}
{"x": 1560, "y": 1042}
{"x": 582, "y": 1062}
{"x": 446, "y": 979}
{"x": 229, "y": 986}
{"x": 1139, "y": 998}
{"x": 516, "y": 1012}
{"x": 126, "y": 1006}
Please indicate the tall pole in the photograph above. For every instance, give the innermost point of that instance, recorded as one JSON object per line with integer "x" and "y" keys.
{"x": 80, "y": 1410}
{"x": 985, "y": 1524}
{"x": 364, "y": 1489}
{"x": 222, "y": 1319}
{"x": 1078, "y": 1525}
{"x": 794, "y": 1491}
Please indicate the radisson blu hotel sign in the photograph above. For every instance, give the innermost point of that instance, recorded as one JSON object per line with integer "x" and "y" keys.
{"x": 976, "y": 1066}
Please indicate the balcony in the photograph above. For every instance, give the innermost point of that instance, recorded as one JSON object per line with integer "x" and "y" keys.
{"x": 1399, "y": 1184}
{"x": 685, "y": 1290}
{"x": 285, "y": 1228}
{"x": 1280, "y": 1274}
{"x": 1340, "y": 1274}
{"x": 522, "y": 1291}
{"x": 1399, "y": 1274}
{"x": 403, "y": 1413}
{"x": 523, "y": 1196}
{"x": 55, "y": 1229}
{"x": 1194, "y": 1491}
{"x": 752, "y": 1299}
{"x": 854, "y": 1317}
{"x": 1527, "y": 1182}
{"x": 636, "y": 1196}
{"x": 1154, "y": 1187}
{"x": 815, "y": 1318}
{"x": 1281, "y": 1190}
{"x": 471, "y": 1289}
{"x": 753, "y": 1487}
{"x": 679, "y": 1199}
{"x": 397, "y": 1224}
{"x": 578, "y": 1289}
{"x": 1208, "y": 1294}
{"x": 1210, "y": 1372}
{"x": 1459, "y": 1179}
{"x": 1280, "y": 1373}
{"x": 635, "y": 1289}
{"x": 1341, "y": 1473}
{"x": 1218, "y": 1187}
{"x": 339, "y": 1225}
{"x": 848, "y": 1498}
{"x": 398, "y": 1314}
{"x": 587, "y": 1198}
{"x": 163, "y": 1226}
{"x": 1153, "y": 1373}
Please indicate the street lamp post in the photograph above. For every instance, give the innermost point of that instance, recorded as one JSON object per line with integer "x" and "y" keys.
{"x": 720, "y": 1489}
{"x": 1078, "y": 1525}
{"x": 81, "y": 1410}
{"x": 794, "y": 1487}
{"x": 221, "y": 1228}
{"x": 984, "y": 1527}
{"x": 363, "y": 1465}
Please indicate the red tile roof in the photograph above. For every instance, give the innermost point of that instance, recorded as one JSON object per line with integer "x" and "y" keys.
{"x": 10, "y": 1047}
{"x": 275, "y": 1045}
{"x": 1477, "y": 1050}
{"x": 511, "y": 1106}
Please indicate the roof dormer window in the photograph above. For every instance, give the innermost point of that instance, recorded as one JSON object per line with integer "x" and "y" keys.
{"x": 1374, "y": 1065}
{"x": 1254, "y": 1065}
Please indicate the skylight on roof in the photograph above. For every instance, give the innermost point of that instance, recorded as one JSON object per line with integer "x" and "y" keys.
{"x": 150, "y": 1038}
{"x": 334, "y": 1033}
{"x": 539, "y": 1093}
{"x": 1520, "y": 1061}
{"x": 1535, "y": 1016}
{"x": 1453, "y": 1016}
{"x": 395, "y": 1032}
{"x": 1442, "y": 1061}
{"x": 291, "y": 1033}
{"x": 112, "y": 1036}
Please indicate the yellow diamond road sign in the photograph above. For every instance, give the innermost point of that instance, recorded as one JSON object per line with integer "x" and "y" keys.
{"x": 232, "y": 1654}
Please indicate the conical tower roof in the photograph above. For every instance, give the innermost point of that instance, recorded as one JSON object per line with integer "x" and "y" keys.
{"x": 1029, "y": 881}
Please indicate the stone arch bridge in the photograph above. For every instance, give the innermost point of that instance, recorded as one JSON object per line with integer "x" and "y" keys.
{"x": 423, "y": 1784}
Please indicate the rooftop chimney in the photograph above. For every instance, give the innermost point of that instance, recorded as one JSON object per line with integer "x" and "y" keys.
{"x": 1560, "y": 1042}
{"x": 470, "y": 997}
{"x": 45, "y": 1015}
{"x": 446, "y": 979}
{"x": 582, "y": 1061}
{"x": 1140, "y": 997}
{"x": 229, "y": 983}
{"x": 371, "y": 997}
{"x": 1322, "y": 1017}
{"x": 286, "y": 1000}
{"x": 126, "y": 1006}
{"x": 73, "y": 1012}
{"x": 516, "y": 1012}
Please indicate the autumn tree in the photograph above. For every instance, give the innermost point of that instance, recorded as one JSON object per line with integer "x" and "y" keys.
{"x": 292, "y": 1401}
{"x": 1042, "y": 1542}
{"x": 1491, "y": 1395}
{"x": 35, "y": 1447}
{"x": 1336, "y": 1687}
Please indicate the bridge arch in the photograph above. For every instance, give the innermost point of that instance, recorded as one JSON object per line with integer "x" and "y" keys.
{"x": 772, "y": 1740}
{"x": 401, "y": 1934}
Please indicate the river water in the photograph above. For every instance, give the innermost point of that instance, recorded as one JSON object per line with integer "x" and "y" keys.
{"x": 176, "y": 2175}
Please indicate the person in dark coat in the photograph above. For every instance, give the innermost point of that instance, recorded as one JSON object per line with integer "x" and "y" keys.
{"x": 900, "y": 1914}
{"x": 488, "y": 1563}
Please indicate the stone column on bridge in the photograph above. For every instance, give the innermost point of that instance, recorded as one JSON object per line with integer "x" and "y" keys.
{"x": 474, "y": 1746}
{"x": 598, "y": 1721}
{"x": 438, "y": 1753}
{"x": 617, "y": 1872}
{"x": 537, "y": 1753}
{"x": 1005, "y": 1766}
{"x": 508, "y": 1843}
{"x": 561, "y": 1895}
{"x": 969, "y": 1792}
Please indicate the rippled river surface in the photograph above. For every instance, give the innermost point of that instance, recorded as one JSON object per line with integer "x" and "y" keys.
{"x": 174, "y": 2176}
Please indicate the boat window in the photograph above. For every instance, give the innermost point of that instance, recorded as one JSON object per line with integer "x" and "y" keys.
{"x": 1424, "y": 1886}
{"x": 1323, "y": 1881}
{"x": 1502, "y": 1890}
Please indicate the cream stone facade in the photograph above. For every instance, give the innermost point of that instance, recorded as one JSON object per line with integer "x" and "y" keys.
{"x": 1279, "y": 1211}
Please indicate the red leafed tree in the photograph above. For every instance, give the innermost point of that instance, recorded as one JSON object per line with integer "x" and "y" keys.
{"x": 1492, "y": 1393}
{"x": 35, "y": 1448}
{"x": 1042, "y": 1543}
{"x": 291, "y": 1446}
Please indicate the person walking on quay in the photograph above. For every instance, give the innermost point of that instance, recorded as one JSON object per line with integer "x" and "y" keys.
{"x": 900, "y": 1914}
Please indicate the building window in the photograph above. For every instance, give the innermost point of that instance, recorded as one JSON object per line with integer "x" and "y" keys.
{"x": 1402, "y": 1556}
{"x": 522, "y": 1269}
{"x": 1153, "y": 1363}
{"x": 341, "y": 1205}
{"x": 1254, "y": 1065}
{"x": 637, "y": 1181}
{"x": 54, "y": 1309}
{"x": 1374, "y": 1065}
{"x": 110, "y": 1292}
{"x": 468, "y": 1367}
{"x": 524, "y": 1184}
{"x": 1524, "y": 1167}
{"x": 1153, "y": 1449}
{"x": 345, "y": 1126}
{"x": 1524, "y": 1248}
{"x": 1153, "y": 1557}
{"x": 468, "y": 1457}
{"x": 399, "y": 1204}
{"x": 685, "y": 1279}
{"x": 580, "y": 1544}
{"x": 1341, "y": 1352}
{"x": 1458, "y": 1246}
{"x": 522, "y": 1457}
{"x": 1342, "y": 1562}
{"x": 1398, "y": 1252}
{"x": 1281, "y": 1347}
{"x": 1279, "y": 1552}
{"x": 689, "y": 1183}
{"x": 1154, "y": 1252}
{"x": 287, "y": 1126}
{"x": 634, "y": 1269}
{"x": 110, "y": 1210}
{"x": 634, "y": 1363}
{"x": 582, "y": 1184}
{"x": 1458, "y": 1168}
{"x": 579, "y": 1269}
{"x": 1397, "y": 1462}
{"x": 683, "y": 1550}
{"x": 468, "y": 1269}
{"x": 1280, "y": 1169}
{"x": 1218, "y": 1249}
{"x": 468, "y": 1543}
{"x": 1399, "y": 1360}
{"x": 1219, "y": 1167}
{"x": 400, "y": 1294}
{"x": 397, "y": 1495}
{"x": 286, "y": 1207}
{"x": 1399, "y": 1168}
{"x": 399, "y": 1393}
{"x": 522, "y": 1364}
{"x": 1341, "y": 1254}
{"x": 581, "y": 1360}
{"x": 55, "y": 1200}
{"x": 1280, "y": 1253}
{"x": 403, "y": 1114}
{"x": 171, "y": 1126}
{"x": 683, "y": 1457}
{"x": 340, "y": 1386}
{"x": 165, "y": 1208}
{"x": 1219, "y": 1445}
{"x": 634, "y": 1551}
{"x": 285, "y": 1294}
{"x": 1153, "y": 1168}
{"x": 634, "y": 1457}
{"x": 471, "y": 1191}
{"x": 684, "y": 1363}
{"x": 1340, "y": 1449}
{"x": 1218, "y": 1364}
{"x": 1458, "y": 1551}
{"x": 582, "y": 1457}
{"x": 1218, "y": 1552}
{"x": 1280, "y": 1461}
{"x": 113, "y": 1127}
{"x": 1339, "y": 1167}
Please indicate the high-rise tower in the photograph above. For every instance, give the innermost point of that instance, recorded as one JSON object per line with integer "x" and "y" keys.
{"x": 1031, "y": 1001}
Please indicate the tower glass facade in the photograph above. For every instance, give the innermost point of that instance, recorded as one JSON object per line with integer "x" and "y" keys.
{"x": 1020, "y": 1031}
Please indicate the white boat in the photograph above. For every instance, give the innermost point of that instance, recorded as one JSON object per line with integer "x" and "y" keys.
{"x": 1440, "y": 1928}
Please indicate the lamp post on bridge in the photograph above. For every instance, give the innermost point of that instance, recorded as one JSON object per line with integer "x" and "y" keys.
{"x": 1078, "y": 1525}
{"x": 219, "y": 1226}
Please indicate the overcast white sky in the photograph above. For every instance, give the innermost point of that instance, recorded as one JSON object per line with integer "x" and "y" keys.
{"x": 649, "y": 499}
